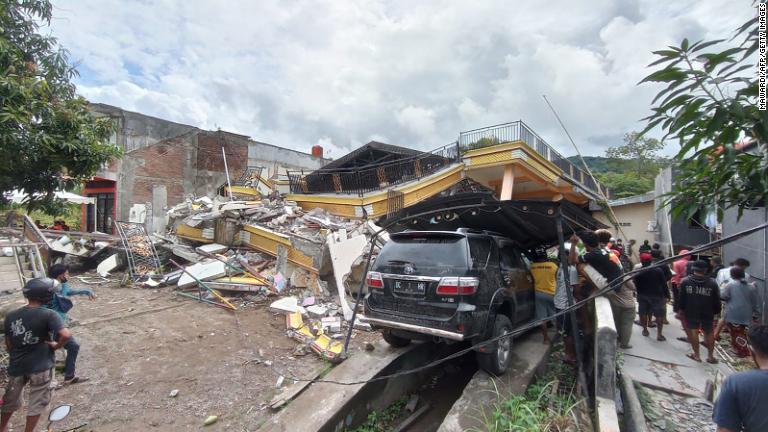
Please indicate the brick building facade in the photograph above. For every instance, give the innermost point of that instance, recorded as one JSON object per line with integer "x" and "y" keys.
{"x": 164, "y": 162}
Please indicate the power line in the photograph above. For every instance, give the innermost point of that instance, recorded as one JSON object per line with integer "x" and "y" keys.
{"x": 536, "y": 323}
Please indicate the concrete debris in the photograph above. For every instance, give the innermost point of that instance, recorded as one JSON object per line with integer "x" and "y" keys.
{"x": 333, "y": 324}
{"x": 317, "y": 311}
{"x": 246, "y": 251}
{"x": 308, "y": 301}
{"x": 286, "y": 305}
{"x": 108, "y": 265}
{"x": 209, "y": 269}
{"x": 279, "y": 282}
{"x": 362, "y": 326}
{"x": 213, "y": 248}
{"x": 343, "y": 253}
{"x": 413, "y": 401}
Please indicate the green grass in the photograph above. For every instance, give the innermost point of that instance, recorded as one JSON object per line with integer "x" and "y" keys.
{"x": 383, "y": 421}
{"x": 539, "y": 409}
{"x": 548, "y": 405}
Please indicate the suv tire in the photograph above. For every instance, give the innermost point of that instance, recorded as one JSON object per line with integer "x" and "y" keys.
{"x": 395, "y": 341}
{"x": 496, "y": 361}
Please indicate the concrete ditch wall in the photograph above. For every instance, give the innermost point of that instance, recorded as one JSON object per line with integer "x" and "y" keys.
{"x": 606, "y": 417}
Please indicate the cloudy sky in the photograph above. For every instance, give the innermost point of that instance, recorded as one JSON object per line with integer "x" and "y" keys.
{"x": 414, "y": 73}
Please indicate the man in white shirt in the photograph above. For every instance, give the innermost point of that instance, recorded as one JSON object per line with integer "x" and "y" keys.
{"x": 724, "y": 278}
{"x": 724, "y": 275}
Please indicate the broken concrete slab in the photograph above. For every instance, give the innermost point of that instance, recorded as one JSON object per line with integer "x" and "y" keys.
{"x": 286, "y": 305}
{"x": 317, "y": 311}
{"x": 108, "y": 265}
{"x": 300, "y": 278}
{"x": 343, "y": 253}
{"x": 212, "y": 248}
{"x": 333, "y": 324}
{"x": 204, "y": 270}
{"x": 186, "y": 252}
{"x": 309, "y": 301}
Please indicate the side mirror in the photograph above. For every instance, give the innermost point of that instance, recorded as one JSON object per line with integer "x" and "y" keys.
{"x": 59, "y": 413}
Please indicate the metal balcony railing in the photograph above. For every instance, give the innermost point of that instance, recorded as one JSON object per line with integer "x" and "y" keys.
{"x": 519, "y": 131}
{"x": 373, "y": 177}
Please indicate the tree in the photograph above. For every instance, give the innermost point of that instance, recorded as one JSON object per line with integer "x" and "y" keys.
{"x": 710, "y": 104}
{"x": 48, "y": 139}
{"x": 626, "y": 184}
{"x": 642, "y": 151}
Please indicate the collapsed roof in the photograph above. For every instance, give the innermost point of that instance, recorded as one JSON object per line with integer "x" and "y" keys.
{"x": 530, "y": 223}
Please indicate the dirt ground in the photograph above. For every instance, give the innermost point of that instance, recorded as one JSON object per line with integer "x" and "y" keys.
{"x": 137, "y": 345}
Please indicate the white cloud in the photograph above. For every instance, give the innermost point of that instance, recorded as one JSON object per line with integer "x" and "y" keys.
{"x": 420, "y": 121}
{"x": 415, "y": 74}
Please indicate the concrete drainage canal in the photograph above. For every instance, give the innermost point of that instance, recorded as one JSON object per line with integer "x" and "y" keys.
{"x": 448, "y": 397}
{"x": 412, "y": 402}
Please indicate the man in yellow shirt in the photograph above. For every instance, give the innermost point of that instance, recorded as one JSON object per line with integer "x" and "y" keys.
{"x": 544, "y": 274}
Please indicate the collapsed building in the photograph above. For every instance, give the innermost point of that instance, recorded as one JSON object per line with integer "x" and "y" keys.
{"x": 164, "y": 162}
{"x": 248, "y": 218}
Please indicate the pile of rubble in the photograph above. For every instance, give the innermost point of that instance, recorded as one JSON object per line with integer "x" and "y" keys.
{"x": 240, "y": 253}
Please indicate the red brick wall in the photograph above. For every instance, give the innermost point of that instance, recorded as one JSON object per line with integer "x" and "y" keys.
{"x": 209, "y": 156}
{"x": 163, "y": 164}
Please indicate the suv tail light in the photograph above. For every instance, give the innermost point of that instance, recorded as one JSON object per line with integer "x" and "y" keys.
{"x": 374, "y": 280}
{"x": 458, "y": 286}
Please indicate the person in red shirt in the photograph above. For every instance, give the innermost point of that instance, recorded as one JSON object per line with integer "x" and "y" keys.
{"x": 679, "y": 267}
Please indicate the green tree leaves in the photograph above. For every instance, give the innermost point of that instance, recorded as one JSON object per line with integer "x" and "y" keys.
{"x": 709, "y": 105}
{"x": 48, "y": 139}
{"x": 642, "y": 151}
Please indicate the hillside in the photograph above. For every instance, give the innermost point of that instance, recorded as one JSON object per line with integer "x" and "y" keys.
{"x": 623, "y": 176}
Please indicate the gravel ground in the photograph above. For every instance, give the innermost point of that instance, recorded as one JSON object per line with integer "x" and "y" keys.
{"x": 668, "y": 412}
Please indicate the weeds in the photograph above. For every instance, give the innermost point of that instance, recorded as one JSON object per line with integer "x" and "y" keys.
{"x": 548, "y": 405}
{"x": 540, "y": 409}
{"x": 382, "y": 421}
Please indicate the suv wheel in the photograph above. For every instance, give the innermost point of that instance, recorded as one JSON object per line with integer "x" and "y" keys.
{"x": 497, "y": 359}
{"x": 395, "y": 341}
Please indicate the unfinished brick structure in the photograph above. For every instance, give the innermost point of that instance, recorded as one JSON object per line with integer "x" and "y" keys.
{"x": 164, "y": 162}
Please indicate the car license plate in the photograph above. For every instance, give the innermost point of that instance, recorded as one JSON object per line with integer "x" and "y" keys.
{"x": 409, "y": 287}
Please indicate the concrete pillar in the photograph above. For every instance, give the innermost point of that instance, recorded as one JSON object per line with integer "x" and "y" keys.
{"x": 508, "y": 183}
{"x": 159, "y": 203}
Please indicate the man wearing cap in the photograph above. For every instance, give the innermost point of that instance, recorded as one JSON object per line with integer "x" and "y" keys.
{"x": 32, "y": 334}
{"x": 699, "y": 303}
{"x": 651, "y": 286}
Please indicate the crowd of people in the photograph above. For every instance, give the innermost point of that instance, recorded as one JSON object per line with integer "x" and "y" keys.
{"x": 706, "y": 297}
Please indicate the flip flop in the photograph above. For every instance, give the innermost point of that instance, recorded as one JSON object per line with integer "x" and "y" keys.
{"x": 661, "y": 338}
{"x": 713, "y": 361}
{"x": 75, "y": 380}
{"x": 692, "y": 357}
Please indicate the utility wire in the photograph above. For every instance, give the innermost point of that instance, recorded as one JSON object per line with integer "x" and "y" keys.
{"x": 614, "y": 284}
{"x": 589, "y": 171}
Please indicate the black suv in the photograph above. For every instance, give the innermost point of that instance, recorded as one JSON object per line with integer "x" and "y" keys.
{"x": 451, "y": 286}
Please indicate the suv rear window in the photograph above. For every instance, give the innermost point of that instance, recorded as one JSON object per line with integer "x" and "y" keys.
{"x": 428, "y": 255}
